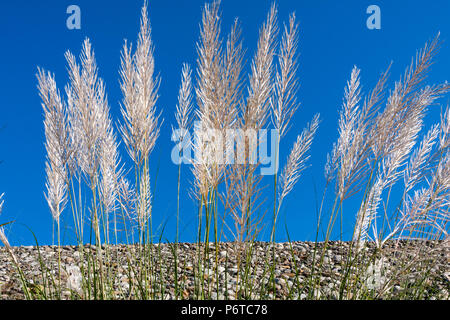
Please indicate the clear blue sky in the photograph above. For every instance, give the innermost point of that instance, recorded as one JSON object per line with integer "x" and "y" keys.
{"x": 333, "y": 38}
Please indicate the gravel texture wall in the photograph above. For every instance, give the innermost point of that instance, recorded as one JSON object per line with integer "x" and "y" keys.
{"x": 293, "y": 270}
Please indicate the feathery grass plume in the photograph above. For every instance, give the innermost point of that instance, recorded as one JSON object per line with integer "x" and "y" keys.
{"x": 348, "y": 123}
{"x": 348, "y": 159}
{"x": 418, "y": 161}
{"x": 75, "y": 140}
{"x": 231, "y": 78}
{"x": 183, "y": 115}
{"x": 208, "y": 78}
{"x": 209, "y": 67}
{"x": 256, "y": 109}
{"x": 110, "y": 171}
{"x": 217, "y": 93}
{"x": 184, "y": 106}
{"x": 141, "y": 127}
{"x": 404, "y": 99}
{"x": 57, "y": 143}
{"x": 296, "y": 161}
{"x": 89, "y": 111}
{"x": 286, "y": 84}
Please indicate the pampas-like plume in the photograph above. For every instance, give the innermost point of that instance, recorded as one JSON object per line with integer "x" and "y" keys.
{"x": 286, "y": 83}
{"x": 209, "y": 68}
{"x": 110, "y": 170}
{"x": 261, "y": 82}
{"x": 344, "y": 151}
{"x": 217, "y": 97}
{"x": 57, "y": 143}
{"x": 261, "y": 86}
{"x": 297, "y": 159}
{"x": 348, "y": 160}
{"x": 405, "y": 100}
{"x": 184, "y": 106}
{"x": 141, "y": 127}
{"x": 418, "y": 161}
{"x": 89, "y": 111}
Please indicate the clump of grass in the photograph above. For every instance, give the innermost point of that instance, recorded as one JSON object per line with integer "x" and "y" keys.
{"x": 375, "y": 149}
{"x": 223, "y": 106}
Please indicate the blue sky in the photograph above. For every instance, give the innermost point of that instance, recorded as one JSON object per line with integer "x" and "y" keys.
{"x": 333, "y": 38}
